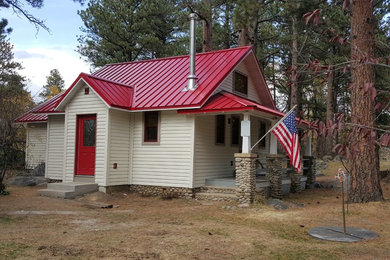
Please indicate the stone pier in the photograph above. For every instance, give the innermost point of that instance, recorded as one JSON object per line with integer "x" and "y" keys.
{"x": 245, "y": 177}
{"x": 309, "y": 170}
{"x": 274, "y": 176}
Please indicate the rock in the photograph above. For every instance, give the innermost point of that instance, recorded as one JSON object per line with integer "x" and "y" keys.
{"x": 278, "y": 204}
{"x": 243, "y": 205}
{"x": 327, "y": 158}
{"x": 24, "y": 181}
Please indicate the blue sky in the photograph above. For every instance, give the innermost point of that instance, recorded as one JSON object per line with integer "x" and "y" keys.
{"x": 41, "y": 51}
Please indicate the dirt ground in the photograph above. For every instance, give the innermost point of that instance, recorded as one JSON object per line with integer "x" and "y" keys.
{"x": 33, "y": 227}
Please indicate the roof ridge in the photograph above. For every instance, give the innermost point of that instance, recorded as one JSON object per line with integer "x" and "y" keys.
{"x": 179, "y": 56}
{"x": 107, "y": 80}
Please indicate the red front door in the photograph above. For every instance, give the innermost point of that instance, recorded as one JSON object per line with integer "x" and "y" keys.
{"x": 85, "y": 145}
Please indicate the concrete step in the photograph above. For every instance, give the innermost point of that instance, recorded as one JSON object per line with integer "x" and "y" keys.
{"x": 68, "y": 190}
{"x": 57, "y": 193}
{"x": 216, "y": 196}
{"x": 78, "y": 187}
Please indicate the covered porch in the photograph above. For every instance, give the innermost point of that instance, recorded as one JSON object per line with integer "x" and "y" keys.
{"x": 230, "y": 125}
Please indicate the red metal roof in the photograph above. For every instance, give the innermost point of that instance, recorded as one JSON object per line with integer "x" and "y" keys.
{"x": 31, "y": 118}
{"x": 114, "y": 94}
{"x": 48, "y": 106}
{"x": 159, "y": 83}
{"x": 228, "y": 102}
{"x": 39, "y": 113}
{"x": 224, "y": 102}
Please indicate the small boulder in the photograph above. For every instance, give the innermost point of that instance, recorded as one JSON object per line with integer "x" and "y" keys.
{"x": 278, "y": 204}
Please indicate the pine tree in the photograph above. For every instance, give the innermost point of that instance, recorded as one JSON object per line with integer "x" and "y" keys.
{"x": 128, "y": 30}
{"x": 54, "y": 85}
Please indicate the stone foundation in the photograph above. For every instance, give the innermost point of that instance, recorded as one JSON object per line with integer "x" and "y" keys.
{"x": 274, "y": 176}
{"x": 164, "y": 192}
{"x": 245, "y": 177}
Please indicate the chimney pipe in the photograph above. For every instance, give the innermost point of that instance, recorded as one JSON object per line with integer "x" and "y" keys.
{"x": 192, "y": 77}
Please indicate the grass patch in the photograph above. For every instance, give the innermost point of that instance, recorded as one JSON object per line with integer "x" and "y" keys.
{"x": 12, "y": 250}
{"x": 298, "y": 253}
{"x": 5, "y": 220}
{"x": 293, "y": 233}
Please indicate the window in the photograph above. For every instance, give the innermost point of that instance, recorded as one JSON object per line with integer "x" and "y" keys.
{"x": 89, "y": 132}
{"x": 240, "y": 83}
{"x": 220, "y": 135}
{"x": 151, "y": 126}
{"x": 262, "y": 131}
{"x": 235, "y": 130}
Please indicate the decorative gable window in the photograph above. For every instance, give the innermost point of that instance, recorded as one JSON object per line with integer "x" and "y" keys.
{"x": 151, "y": 126}
{"x": 240, "y": 83}
{"x": 220, "y": 131}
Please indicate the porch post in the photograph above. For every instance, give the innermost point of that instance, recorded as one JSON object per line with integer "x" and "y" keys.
{"x": 245, "y": 177}
{"x": 273, "y": 144}
{"x": 246, "y": 133}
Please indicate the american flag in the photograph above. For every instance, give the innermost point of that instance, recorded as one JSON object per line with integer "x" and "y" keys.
{"x": 287, "y": 134}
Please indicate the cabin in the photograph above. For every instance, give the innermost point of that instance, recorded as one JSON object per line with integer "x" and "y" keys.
{"x": 138, "y": 125}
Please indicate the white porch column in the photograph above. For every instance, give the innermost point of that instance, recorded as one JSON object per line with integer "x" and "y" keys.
{"x": 246, "y": 133}
{"x": 273, "y": 142}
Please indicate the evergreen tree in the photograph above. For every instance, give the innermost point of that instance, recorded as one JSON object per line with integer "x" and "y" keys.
{"x": 128, "y": 30}
{"x": 54, "y": 85}
{"x": 14, "y": 100}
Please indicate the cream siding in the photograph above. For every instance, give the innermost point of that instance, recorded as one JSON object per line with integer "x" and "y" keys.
{"x": 227, "y": 83}
{"x": 82, "y": 104}
{"x": 119, "y": 148}
{"x": 36, "y": 137}
{"x": 55, "y": 147}
{"x": 167, "y": 163}
{"x": 212, "y": 160}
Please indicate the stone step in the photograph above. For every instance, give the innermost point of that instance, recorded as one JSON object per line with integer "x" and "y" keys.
{"x": 216, "y": 196}
{"x": 78, "y": 188}
{"x": 57, "y": 193}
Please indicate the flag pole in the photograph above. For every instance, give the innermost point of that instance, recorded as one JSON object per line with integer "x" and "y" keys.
{"x": 273, "y": 127}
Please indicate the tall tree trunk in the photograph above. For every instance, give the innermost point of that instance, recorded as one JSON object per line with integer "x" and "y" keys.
{"x": 294, "y": 65}
{"x": 330, "y": 111}
{"x": 243, "y": 38}
{"x": 207, "y": 23}
{"x": 226, "y": 25}
{"x": 365, "y": 181}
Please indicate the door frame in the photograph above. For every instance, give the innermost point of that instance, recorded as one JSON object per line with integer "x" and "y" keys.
{"x": 94, "y": 116}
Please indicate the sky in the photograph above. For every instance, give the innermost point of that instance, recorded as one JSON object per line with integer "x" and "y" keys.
{"x": 41, "y": 51}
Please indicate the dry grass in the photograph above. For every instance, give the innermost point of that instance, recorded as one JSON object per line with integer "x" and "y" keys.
{"x": 152, "y": 228}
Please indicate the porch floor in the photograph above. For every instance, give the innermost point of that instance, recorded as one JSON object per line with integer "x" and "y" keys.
{"x": 261, "y": 182}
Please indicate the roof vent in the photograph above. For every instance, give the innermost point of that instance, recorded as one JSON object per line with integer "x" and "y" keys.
{"x": 192, "y": 77}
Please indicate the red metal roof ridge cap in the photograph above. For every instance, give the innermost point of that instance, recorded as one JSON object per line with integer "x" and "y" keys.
{"x": 107, "y": 80}
{"x": 177, "y": 57}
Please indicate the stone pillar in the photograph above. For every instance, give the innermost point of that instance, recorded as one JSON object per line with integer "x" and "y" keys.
{"x": 274, "y": 176}
{"x": 295, "y": 181}
{"x": 245, "y": 177}
{"x": 309, "y": 170}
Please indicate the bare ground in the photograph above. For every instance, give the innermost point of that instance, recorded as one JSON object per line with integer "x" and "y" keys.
{"x": 33, "y": 227}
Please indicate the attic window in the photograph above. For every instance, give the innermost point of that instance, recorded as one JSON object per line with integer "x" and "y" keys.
{"x": 86, "y": 91}
{"x": 240, "y": 83}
